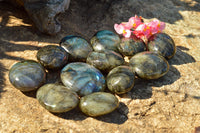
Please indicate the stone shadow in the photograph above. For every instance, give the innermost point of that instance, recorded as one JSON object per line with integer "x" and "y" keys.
{"x": 119, "y": 116}
{"x": 141, "y": 89}
{"x": 172, "y": 76}
{"x": 181, "y": 57}
{"x": 2, "y": 79}
{"x": 74, "y": 114}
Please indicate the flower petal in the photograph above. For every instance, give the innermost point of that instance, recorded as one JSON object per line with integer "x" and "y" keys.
{"x": 135, "y": 21}
{"x": 127, "y": 33}
{"x": 119, "y": 28}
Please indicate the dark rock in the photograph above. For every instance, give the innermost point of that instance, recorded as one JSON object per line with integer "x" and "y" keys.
{"x": 44, "y": 13}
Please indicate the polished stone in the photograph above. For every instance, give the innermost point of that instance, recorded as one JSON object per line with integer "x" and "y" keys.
{"x": 120, "y": 80}
{"x": 57, "y": 98}
{"x": 149, "y": 65}
{"x": 105, "y": 40}
{"x": 27, "y": 75}
{"x": 99, "y": 103}
{"x": 131, "y": 46}
{"x": 162, "y": 44}
{"x": 77, "y": 47}
{"x": 82, "y": 78}
{"x": 105, "y": 61}
{"x": 52, "y": 57}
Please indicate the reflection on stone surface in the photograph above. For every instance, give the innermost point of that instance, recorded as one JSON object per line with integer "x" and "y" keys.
{"x": 105, "y": 61}
{"x": 162, "y": 44}
{"x": 77, "y": 47}
{"x": 82, "y": 78}
{"x": 105, "y": 40}
{"x": 57, "y": 98}
{"x": 99, "y": 103}
{"x": 27, "y": 75}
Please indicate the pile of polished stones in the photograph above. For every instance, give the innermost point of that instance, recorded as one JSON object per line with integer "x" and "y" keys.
{"x": 88, "y": 69}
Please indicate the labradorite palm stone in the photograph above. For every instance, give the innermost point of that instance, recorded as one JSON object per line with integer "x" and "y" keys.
{"x": 57, "y": 98}
{"x": 120, "y": 80}
{"x": 105, "y": 61}
{"x": 82, "y": 78}
{"x": 77, "y": 47}
{"x": 27, "y": 75}
{"x": 105, "y": 40}
{"x": 131, "y": 46}
{"x": 149, "y": 65}
{"x": 99, "y": 103}
{"x": 52, "y": 57}
{"x": 162, "y": 44}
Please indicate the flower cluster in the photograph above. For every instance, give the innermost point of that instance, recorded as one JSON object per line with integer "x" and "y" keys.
{"x": 141, "y": 30}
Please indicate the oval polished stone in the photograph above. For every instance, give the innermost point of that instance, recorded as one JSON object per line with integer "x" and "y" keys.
{"x": 52, "y": 57}
{"x": 99, "y": 103}
{"x": 105, "y": 61}
{"x": 120, "y": 80}
{"x": 105, "y": 40}
{"x": 27, "y": 75}
{"x": 162, "y": 44}
{"x": 57, "y": 98}
{"x": 131, "y": 46}
{"x": 149, "y": 65}
{"x": 77, "y": 47}
{"x": 82, "y": 78}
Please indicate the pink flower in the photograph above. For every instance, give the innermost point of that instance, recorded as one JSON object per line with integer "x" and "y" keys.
{"x": 143, "y": 31}
{"x": 134, "y": 22}
{"x": 126, "y": 25}
{"x": 122, "y": 29}
{"x": 156, "y": 26}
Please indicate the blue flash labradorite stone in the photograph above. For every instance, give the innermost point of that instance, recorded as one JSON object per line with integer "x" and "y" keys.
{"x": 105, "y": 40}
{"x": 149, "y": 65}
{"x": 105, "y": 61}
{"x": 57, "y": 98}
{"x": 52, "y": 57}
{"x": 77, "y": 47}
{"x": 98, "y": 103}
{"x": 120, "y": 80}
{"x": 82, "y": 78}
{"x": 27, "y": 75}
{"x": 162, "y": 44}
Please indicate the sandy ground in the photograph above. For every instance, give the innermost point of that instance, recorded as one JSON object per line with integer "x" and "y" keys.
{"x": 169, "y": 104}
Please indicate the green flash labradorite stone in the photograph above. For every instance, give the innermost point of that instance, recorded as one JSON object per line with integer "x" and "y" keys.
{"x": 99, "y": 103}
{"x": 105, "y": 61}
{"x": 77, "y": 47}
{"x": 52, "y": 57}
{"x": 57, "y": 98}
{"x": 120, "y": 80}
{"x": 162, "y": 44}
{"x": 27, "y": 75}
{"x": 131, "y": 46}
{"x": 82, "y": 78}
{"x": 105, "y": 40}
{"x": 149, "y": 65}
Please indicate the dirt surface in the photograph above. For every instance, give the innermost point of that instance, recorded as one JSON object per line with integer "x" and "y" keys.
{"x": 169, "y": 104}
